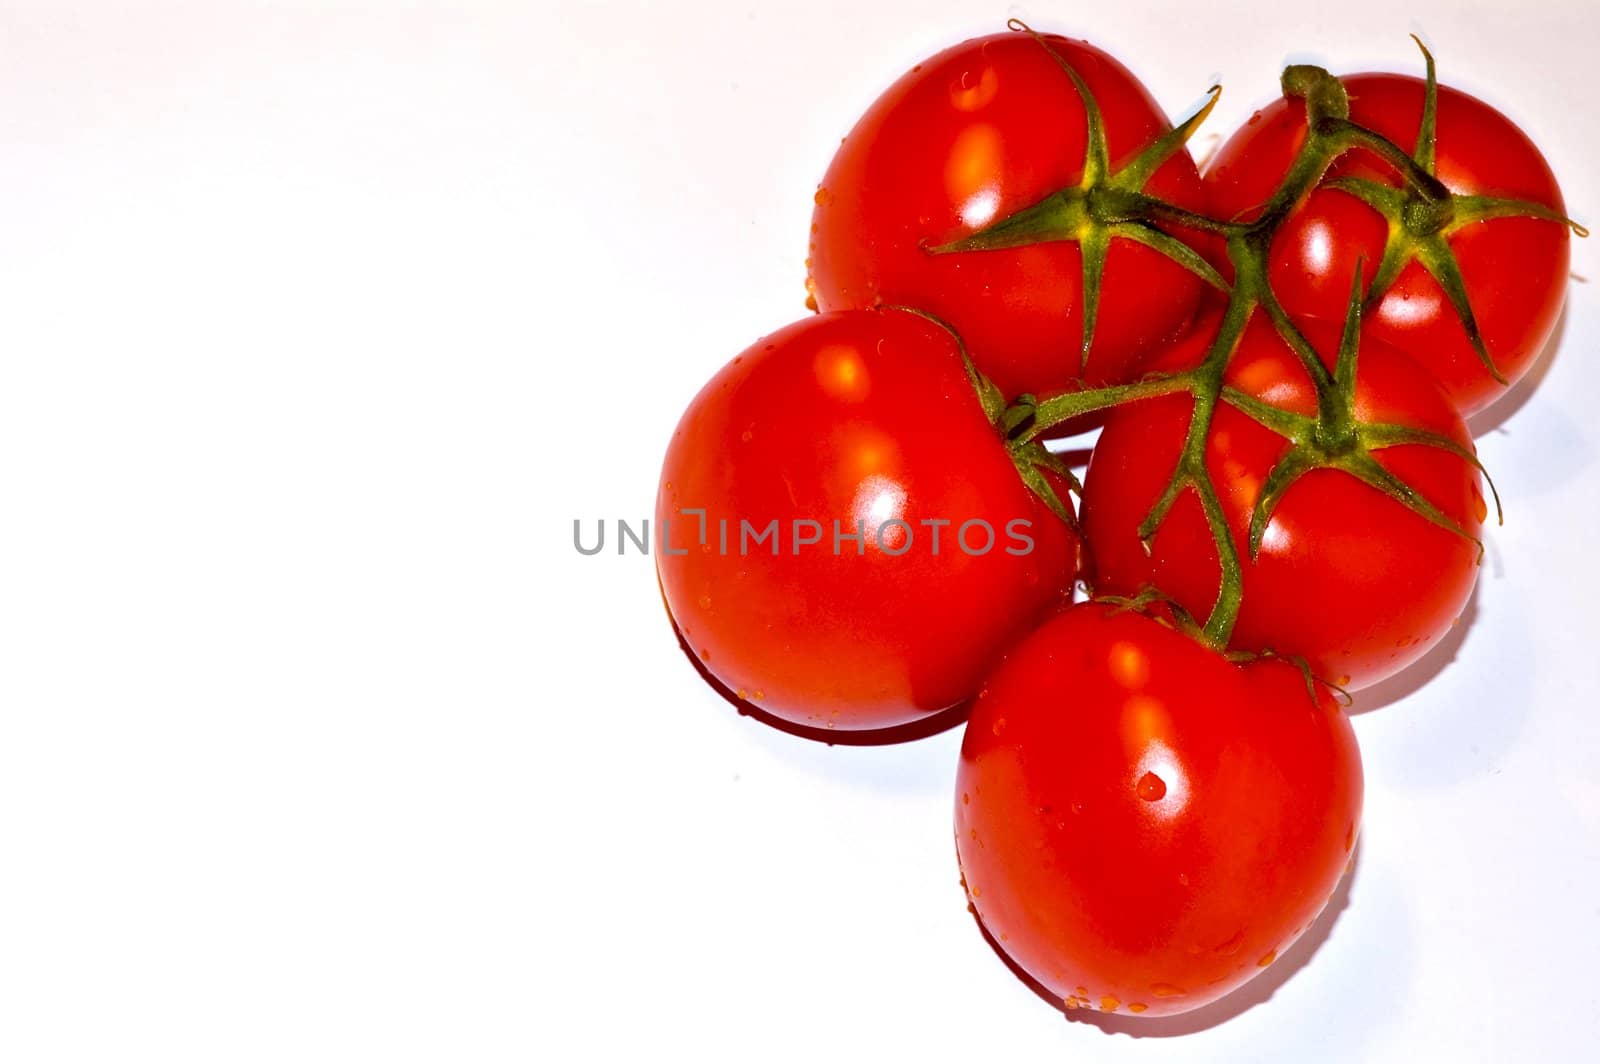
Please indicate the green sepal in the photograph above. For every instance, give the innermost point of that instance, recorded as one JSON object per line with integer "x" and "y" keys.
{"x": 1294, "y": 464}
{"x": 1389, "y": 202}
{"x": 1097, "y": 161}
{"x": 1469, "y": 209}
{"x": 1092, "y": 249}
{"x": 1174, "y": 249}
{"x": 1366, "y": 469}
{"x": 1427, "y": 128}
{"x": 1378, "y": 435}
{"x": 1135, "y": 174}
{"x": 1061, "y": 216}
{"x": 1344, "y": 364}
{"x": 1286, "y": 423}
{"x": 1436, "y": 256}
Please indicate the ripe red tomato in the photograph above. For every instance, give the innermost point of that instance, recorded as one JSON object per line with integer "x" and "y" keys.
{"x": 1143, "y": 825}
{"x": 866, "y": 417}
{"x": 1514, "y": 269}
{"x": 1347, "y": 577}
{"x": 968, "y": 137}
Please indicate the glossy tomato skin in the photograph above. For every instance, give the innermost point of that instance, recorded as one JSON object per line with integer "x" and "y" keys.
{"x": 1347, "y": 578}
{"x": 1142, "y": 825}
{"x": 972, "y": 135}
{"x": 1514, "y": 269}
{"x": 868, "y": 416}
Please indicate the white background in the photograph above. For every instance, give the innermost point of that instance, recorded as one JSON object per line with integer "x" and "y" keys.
{"x": 319, "y": 325}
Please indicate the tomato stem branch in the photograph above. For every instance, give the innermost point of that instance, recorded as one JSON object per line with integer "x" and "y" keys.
{"x": 1107, "y": 204}
{"x": 1103, "y": 207}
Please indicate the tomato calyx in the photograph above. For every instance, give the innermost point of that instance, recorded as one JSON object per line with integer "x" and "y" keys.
{"x": 1150, "y": 601}
{"x": 1423, "y": 215}
{"x": 1158, "y": 606}
{"x": 1337, "y": 439}
{"x": 1105, "y": 204}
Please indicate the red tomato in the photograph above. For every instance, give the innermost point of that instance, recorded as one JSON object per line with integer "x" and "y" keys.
{"x": 971, "y": 136}
{"x": 1514, "y": 269}
{"x": 1347, "y": 577}
{"x": 1143, "y": 825}
{"x": 866, "y": 417}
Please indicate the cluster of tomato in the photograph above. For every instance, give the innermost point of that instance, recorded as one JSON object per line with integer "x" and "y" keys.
{"x": 860, "y": 524}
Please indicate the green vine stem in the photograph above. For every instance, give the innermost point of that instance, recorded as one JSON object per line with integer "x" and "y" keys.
{"x": 1106, "y": 205}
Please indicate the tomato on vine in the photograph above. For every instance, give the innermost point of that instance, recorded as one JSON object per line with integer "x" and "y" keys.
{"x": 1144, "y": 825}
{"x": 1467, "y": 275}
{"x": 990, "y": 186}
{"x": 847, "y": 538}
{"x": 1354, "y": 519}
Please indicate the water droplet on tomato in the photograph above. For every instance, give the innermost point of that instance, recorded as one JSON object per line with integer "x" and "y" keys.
{"x": 822, "y": 198}
{"x": 1151, "y": 787}
{"x": 1109, "y": 1004}
{"x": 1167, "y": 990}
{"x": 1271, "y": 956}
{"x": 998, "y": 727}
{"x": 1137, "y": 1006}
